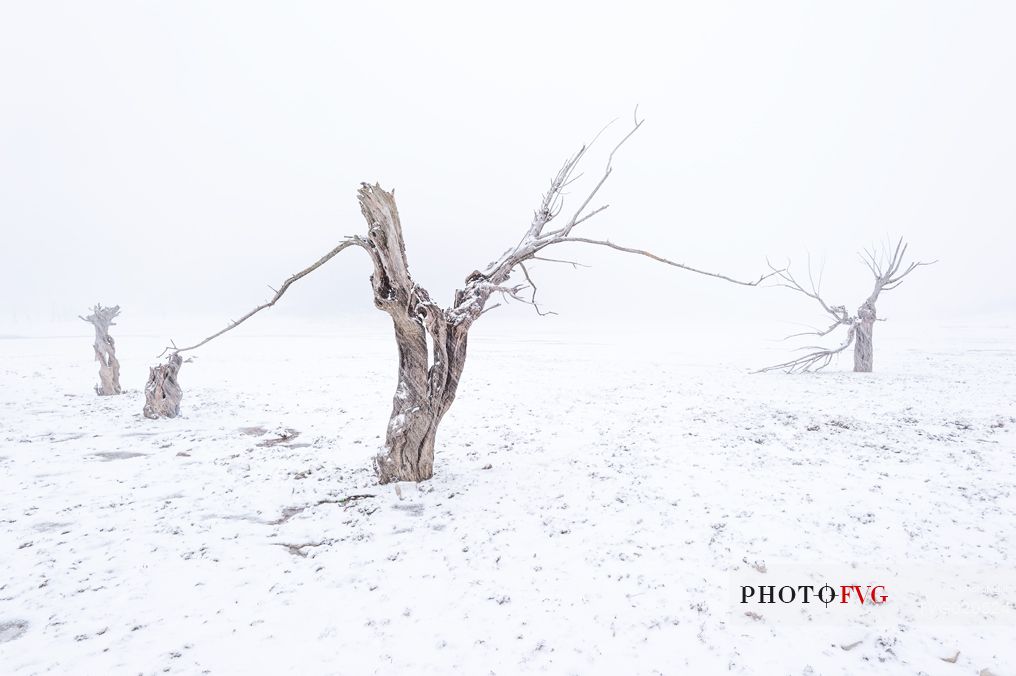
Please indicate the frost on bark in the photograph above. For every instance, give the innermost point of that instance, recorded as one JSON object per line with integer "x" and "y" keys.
{"x": 162, "y": 391}
{"x": 886, "y": 266}
{"x": 864, "y": 347}
{"x": 432, "y": 338}
{"x": 105, "y": 348}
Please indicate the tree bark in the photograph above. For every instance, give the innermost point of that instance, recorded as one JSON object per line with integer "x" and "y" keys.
{"x": 428, "y": 375}
{"x": 105, "y": 349}
{"x": 423, "y": 396}
{"x": 864, "y": 347}
{"x": 163, "y": 392}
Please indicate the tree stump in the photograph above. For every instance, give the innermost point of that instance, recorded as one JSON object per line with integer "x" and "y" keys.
{"x": 162, "y": 392}
{"x": 105, "y": 349}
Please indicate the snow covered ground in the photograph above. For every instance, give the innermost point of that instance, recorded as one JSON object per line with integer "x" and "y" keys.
{"x": 596, "y": 498}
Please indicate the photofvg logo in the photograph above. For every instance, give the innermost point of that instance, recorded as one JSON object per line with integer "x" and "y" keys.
{"x": 807, "y": 593}
{"x": 847, "y": 593}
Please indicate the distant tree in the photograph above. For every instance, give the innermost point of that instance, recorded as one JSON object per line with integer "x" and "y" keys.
{"x": 105, "y": 348}
{"x": 886, "y": 265}
{"x": 432, "y": 339}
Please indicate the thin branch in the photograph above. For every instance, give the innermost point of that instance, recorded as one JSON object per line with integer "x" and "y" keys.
{"x": 813, "y": 361}
{"x": 837, "y": 312}
{"x": 557, "y": 260}
{"x": 816, "y": 332}
{"x": 885, "y": 267}
{"x": 661, "y": 259}
{"x": 536, "y": 240}
{"x": 533, "y": 297}
{"x": 351, "y": 241}
{"x": 577, "y": 217}
{"x": 485, "y": 311}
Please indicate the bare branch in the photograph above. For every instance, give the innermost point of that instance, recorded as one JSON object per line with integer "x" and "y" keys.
{"x": 837, "y": 312}
{"x": 816, "y": 332}
{"x": 885, "y": 267}
{"x": 351, "y": 241}
{"x": 533, "y": 297}
{"x": 663, "y": 260}
{"x": 470, "y": 300}
{"x": 816, "y": 360}
{"x": 556, "y": 260}
{"x": 577, "y": 217}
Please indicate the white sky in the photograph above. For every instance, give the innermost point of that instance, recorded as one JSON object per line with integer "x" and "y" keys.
{"x": 176, "y": 157}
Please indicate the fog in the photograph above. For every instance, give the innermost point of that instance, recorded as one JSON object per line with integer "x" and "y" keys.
{"x": 176, "y": 158}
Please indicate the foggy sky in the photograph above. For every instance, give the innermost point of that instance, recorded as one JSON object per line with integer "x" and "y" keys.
{"x": 176, "y": 158}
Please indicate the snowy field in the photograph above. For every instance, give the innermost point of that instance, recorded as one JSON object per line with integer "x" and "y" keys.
{"x": 595, "y": 496}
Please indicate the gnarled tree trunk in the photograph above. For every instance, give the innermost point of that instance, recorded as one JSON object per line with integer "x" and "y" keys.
{"x": 424, "y": 394}
{"x": 428, "y": 377}
{"x": 105, "y": 349}
{"x": 163, "y": 392}
{"x": 864, "y": 348}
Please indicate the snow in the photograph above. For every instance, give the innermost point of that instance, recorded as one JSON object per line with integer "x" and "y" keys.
{"x": 597, "y": 499}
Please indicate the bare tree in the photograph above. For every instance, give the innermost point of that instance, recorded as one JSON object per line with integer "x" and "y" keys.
{"x": 886, "y": 265}
{"x": 162, "y": 391}
{"x": 429, "y": 374}
{"x": 105, "y": 348}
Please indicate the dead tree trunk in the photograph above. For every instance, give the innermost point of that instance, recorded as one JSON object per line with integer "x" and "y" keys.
{"x": 432, "y": 339}
{"x": 105, "y": 348}
{"x": 864, "y": 347}
{"x": 885, "y": 265}
{"x": 427, "y": 378}
{"x": 162, "y": 391}
{"x": 420, "y": 402}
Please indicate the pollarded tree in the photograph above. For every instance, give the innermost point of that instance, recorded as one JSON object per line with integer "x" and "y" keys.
{"x": 886, "y": 265}
{"x": 105, "y": 348}
{"x": 428, "y": 376}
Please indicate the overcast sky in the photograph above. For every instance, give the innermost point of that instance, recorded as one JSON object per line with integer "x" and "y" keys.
{"x": 177, "y": 157}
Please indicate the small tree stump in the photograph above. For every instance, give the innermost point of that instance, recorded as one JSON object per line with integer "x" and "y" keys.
{"x": 162, "y": 392}
{"x": 105, "y": 349}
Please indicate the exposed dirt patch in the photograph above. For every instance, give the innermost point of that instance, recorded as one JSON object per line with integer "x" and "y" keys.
{"x": 118, "y": 455}
{"x": 9, "y": 631}
{"x": 284, "y": 438}
{"x": 51, "y": 525}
